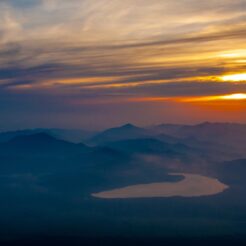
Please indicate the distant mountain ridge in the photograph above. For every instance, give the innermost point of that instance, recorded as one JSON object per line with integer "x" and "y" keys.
{"x": 71, "y": 135}
{"x": 127, "y": 131}
{"x": 42, "y": 143}
{"x": 231, "y": 136}
{"x": 42, "y": 152}
{"x": 221, "y": 141}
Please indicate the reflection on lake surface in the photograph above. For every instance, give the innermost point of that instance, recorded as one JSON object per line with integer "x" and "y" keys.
{"x": 192, "y": 185}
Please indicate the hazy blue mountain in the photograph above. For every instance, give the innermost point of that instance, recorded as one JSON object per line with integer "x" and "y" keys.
{"x": 225, "y": 139}
{"x": 144, "y": 145}
{"x": 168, "y": 138}
{"x": 213, "y": 131}
{"x": 127, "y": 131}
{"x": 156, "y": 153}
{"x": 205, "y": 131}
{"x": 7, "y": 136}
{"x": 168, "y": 129}
{"x": 71, "y": 135}
{"x": 40, "y": 143}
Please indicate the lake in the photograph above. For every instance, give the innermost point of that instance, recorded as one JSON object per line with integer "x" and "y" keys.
{"x": 193, "y": 185}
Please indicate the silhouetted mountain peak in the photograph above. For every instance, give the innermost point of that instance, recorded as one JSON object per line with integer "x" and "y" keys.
{"x": 206, "y": 123}
{"x": 129, "y": 126}
{"x": 127, "y": 131}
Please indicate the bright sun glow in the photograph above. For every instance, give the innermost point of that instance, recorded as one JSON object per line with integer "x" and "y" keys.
{"x": 234, "y": 77}
{"x": 233, "y": 54}
{"x": 238, "y": 96}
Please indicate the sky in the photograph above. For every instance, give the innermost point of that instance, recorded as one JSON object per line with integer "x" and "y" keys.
{"x": 99, "y": 63}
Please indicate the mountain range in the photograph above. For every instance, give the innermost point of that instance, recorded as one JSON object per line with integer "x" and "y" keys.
{"x": 48, "y": 179}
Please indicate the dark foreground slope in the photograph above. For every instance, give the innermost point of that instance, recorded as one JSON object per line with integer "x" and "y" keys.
{"x": 122, "y": 241}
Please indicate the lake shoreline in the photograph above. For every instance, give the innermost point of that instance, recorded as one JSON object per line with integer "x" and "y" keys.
{"x": 193, "y": 185}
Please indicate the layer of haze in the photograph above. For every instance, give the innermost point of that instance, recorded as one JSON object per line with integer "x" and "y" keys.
{"x": 91, "y": 63}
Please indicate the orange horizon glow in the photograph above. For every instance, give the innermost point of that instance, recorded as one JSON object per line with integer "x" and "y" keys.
{"x": 227, "y": 97}
{"x": 235, "y": 96}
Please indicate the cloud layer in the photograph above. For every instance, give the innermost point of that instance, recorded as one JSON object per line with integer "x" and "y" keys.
{"x": 109, "y": 52}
